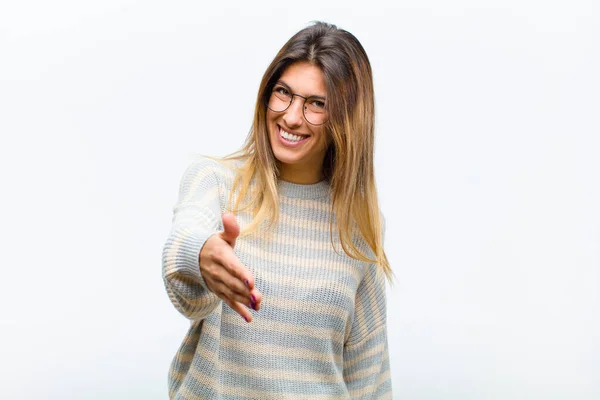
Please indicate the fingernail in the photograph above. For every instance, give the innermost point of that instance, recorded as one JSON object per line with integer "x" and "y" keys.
{"x": 247, "y": 284}
{"x": 246, "y": 319}
{"x": 253, "y": 298}
{"x": 253, "y": 306}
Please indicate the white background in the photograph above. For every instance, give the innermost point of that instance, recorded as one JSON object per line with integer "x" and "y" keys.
{"x": 487, "y": 160}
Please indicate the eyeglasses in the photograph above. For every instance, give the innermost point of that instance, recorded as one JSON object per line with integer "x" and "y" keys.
{"x": 313, "y": 108}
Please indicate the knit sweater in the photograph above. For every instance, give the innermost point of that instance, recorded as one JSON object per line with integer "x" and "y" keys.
{"x": 321, "y": 329}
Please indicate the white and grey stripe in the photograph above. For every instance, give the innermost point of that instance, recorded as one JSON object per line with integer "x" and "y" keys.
{"x": 321, "y": 330}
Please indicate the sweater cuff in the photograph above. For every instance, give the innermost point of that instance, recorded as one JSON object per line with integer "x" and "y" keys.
{"x": 190, "y": 253}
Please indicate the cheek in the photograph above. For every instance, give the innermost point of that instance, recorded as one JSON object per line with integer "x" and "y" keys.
{"x": 324, "y": 138}
{"x": 271, "y": 117}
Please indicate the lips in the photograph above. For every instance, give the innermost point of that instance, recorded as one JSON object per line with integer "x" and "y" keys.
{"x": 290, "y": 139}
{"x": 290, "y": 135}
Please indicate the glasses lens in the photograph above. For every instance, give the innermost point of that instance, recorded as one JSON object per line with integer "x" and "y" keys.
{"x": 314, "y": 111}
{"x": 280, "y": 99}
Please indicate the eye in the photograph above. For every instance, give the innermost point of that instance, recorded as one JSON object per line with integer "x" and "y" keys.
{"x": 281, "y": 90}
{"x": 316, "y": 104}
{"x": 319, "y": 103}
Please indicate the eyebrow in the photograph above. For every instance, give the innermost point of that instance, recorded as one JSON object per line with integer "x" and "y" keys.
{"x": 282, "y": 83}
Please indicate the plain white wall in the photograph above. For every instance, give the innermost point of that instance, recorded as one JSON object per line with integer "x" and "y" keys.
{"x": 487, "y": 163}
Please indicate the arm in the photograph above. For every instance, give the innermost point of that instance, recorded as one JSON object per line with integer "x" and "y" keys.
{"x": 366, "y": 362}
{"x": 196, "y": 217}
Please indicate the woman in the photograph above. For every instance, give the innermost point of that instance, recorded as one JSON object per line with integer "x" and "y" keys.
{"x": 306, "y": 274}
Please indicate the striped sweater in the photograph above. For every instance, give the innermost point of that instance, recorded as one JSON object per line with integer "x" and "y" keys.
{"x": 321, "y": 329}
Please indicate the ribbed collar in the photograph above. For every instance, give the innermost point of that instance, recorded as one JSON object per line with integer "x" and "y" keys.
{"x": 299, "y": 191}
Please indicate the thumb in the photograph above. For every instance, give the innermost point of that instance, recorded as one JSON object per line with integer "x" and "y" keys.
{"x": 231, "y": 229}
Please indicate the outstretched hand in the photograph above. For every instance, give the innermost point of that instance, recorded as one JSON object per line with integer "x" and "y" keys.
{"x": 223, "y": 272}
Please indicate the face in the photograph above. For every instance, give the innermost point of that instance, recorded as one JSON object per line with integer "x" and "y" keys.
{"x": 299, "y": 146}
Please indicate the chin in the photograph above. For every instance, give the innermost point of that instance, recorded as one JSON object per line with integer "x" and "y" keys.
{"x": 284, "y": 156}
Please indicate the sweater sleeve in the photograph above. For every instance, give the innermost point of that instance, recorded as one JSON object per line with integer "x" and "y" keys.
{"x": 366, "y": 362}
{"x": 196, "y": 217}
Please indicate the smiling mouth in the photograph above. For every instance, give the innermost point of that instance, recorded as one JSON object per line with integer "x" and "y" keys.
{"x": 291, "y": 137}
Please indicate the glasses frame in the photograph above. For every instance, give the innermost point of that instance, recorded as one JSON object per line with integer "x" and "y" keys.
{"x": 272, "y": 93}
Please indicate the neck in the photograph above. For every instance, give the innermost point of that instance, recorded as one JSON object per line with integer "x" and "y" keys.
{"x": 299, "y": 174}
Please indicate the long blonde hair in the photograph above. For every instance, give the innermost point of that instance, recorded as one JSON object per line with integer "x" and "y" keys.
{"x": 348, "y": 164}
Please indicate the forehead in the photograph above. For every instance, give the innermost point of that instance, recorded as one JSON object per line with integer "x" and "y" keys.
{"x": 305, "y": 79}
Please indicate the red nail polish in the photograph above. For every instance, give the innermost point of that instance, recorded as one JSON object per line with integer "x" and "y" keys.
{"x": 253, "y": 298}
{"x": 247, "y": 284}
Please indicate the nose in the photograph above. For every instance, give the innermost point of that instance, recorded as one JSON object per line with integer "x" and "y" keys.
{"x": 294, "y": 115}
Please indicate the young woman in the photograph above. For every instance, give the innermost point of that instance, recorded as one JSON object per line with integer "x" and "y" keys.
{"x": 293, "y": 306}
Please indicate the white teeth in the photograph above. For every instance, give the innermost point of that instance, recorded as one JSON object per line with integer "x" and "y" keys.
{"x": 289, "y": 136}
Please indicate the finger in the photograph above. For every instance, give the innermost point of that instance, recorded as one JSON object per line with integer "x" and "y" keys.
{"x": 233, "y": 289}
{"x": 231, "y": 229}
{"x": 256, "y": 298}
{"x": 229, "y": 261}
{"x": 233, "y": 285}
{"x": 239, "y": 308}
